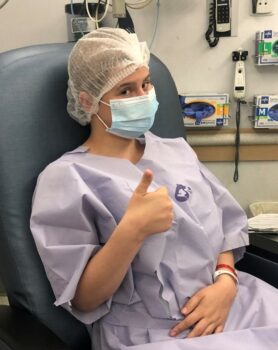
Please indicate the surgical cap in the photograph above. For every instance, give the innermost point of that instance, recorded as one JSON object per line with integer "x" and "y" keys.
{"x": 99, "y": 61}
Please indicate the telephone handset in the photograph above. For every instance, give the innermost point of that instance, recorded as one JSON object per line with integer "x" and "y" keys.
{"x": 219, "y": 21}
{"x": 223, "y": 18}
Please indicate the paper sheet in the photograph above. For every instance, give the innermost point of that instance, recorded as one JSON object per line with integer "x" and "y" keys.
{"x": 264, "y": 222}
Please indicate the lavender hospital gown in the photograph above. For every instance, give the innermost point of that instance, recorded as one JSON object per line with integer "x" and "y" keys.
{"x": 78, "y": 201}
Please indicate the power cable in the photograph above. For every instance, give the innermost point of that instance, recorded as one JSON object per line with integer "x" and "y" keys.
{"x": 99, "y": 19}
{"x": 3, "y": 3}
{"x": 156, "y": 22}
{"x": 237, "y": 138}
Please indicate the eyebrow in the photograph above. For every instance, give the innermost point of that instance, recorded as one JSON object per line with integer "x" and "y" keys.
{"x": 132, "y": 82}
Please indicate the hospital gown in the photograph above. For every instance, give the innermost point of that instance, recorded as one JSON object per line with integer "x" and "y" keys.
{"x": 79, "y": 200}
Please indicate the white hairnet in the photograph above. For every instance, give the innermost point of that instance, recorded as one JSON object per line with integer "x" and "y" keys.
{"x": 99, "y": 61}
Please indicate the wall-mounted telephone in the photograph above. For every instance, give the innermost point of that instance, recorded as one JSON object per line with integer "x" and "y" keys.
{"x": 222, "y": 18}
{"x": 219, "y": 20}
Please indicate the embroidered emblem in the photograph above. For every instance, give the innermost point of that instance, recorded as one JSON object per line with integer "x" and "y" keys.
{"x": 182, "y": 193}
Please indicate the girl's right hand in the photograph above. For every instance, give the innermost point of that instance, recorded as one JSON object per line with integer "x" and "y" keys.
{"x": 149, "y": 212}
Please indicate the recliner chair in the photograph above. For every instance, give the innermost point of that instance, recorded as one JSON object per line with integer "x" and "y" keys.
{"x": 35, "y": 130}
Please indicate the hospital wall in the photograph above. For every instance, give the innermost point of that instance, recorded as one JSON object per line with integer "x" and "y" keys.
{"x": 180, "y": 44}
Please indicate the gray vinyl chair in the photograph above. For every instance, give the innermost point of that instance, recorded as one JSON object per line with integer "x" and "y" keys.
{"x": 35, "y": 130}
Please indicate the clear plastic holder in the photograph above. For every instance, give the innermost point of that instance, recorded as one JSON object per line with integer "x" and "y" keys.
{"x": 258, "y": 55}
{"x": 253, "y": 118}
{"x": 223, "y": 116}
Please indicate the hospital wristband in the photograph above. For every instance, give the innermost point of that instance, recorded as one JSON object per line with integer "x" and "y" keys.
{"x": 219, "y": 272}
{"x": 225, "y": 266}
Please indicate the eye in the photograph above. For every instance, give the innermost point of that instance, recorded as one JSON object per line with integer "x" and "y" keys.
{"x": 147, "y": 84}
{"x": 125, "y": 92}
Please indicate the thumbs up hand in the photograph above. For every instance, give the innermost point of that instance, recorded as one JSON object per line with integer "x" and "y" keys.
{"x": 149, "y": 213}
{"x": 145, "y": 182}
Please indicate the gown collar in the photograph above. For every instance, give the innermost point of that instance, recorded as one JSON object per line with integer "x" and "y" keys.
{"x": 84, "y": 149}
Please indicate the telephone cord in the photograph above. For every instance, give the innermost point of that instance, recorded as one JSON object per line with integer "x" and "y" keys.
{"x": 212, "y": 41}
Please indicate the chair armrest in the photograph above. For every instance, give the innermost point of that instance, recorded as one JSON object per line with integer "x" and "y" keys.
{"x": 21, "y": 331}
{"x": 260, "y": 267}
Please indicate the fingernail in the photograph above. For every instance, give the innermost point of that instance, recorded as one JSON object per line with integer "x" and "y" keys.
{"x": 184, "y": 311}
{"x": 173, "y": 333}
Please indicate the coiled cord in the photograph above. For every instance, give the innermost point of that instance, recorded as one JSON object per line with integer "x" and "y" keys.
{"x": 237, "y": 138}
{"x": 212, "y": 41}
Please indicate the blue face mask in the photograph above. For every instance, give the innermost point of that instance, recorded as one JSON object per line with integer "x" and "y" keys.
{"x": 133, "y": 116}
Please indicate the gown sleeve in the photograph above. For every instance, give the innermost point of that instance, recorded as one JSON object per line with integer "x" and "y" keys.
{"x": 233, "y": 217}
{"x": 63, "y": 224}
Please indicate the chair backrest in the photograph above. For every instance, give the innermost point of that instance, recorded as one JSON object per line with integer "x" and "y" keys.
{"x": 35, "y": 129}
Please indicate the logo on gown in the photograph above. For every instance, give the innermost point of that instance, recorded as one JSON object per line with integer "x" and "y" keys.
{"x": 182, "y": 193}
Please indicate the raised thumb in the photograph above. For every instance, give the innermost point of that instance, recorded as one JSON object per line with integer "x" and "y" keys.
{"x": 145, "y": 182}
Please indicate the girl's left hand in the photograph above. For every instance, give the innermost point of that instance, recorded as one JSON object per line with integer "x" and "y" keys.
{"x": 208, "y": 309}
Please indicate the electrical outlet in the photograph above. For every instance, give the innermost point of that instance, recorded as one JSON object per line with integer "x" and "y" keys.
{"x": 262, "y": 6}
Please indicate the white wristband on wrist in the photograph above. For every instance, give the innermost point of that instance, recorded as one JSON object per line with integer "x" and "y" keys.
{"x": 219, "y": 272}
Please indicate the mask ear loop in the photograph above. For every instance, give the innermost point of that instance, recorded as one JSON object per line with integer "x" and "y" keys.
{"x": 105, "y": 103}
{"x": 99, "y": 118}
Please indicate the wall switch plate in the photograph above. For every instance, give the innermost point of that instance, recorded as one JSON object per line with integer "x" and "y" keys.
{"x": 262, "y": 7}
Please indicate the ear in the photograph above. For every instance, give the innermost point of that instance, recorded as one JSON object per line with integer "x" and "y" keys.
{"x": 85, "y": 101}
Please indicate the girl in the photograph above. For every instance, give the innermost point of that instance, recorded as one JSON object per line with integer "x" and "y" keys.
{"x": 136, "y": 236}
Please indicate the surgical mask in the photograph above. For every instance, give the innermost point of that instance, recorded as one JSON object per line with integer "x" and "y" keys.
{"x": 133, "y": 116}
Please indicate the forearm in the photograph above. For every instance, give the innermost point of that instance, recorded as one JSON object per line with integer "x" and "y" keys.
{"x": 107, "y": 269}
{"x": 226, "y": 258}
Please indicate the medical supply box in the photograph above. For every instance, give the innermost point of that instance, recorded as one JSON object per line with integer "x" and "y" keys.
{"x": 267, "y": 47}
{"x": 266, "y": 111}
{"x": 205, "y": 110}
